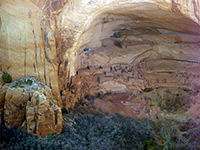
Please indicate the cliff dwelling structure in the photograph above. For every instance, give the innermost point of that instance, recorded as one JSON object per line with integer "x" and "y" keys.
{"x": 139, "y": 58}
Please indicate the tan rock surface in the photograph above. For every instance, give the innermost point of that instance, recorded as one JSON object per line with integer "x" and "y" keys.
{"x": 1, "y": 79}
{"x": 15, "y": 106}
{"x": 27, "y": 43}
{"x": 2, "y": 97}
{"x": 2, "y": 101}
{"x": 43, "y": 117}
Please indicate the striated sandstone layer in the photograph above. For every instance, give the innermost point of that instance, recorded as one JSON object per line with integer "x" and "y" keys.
{"x": 134, "y": 51}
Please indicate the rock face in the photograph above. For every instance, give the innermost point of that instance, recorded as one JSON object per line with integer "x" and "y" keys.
{"x": 15, "y": 106}
{"x": 27, "y": 43}
{"x": 132, "y": 51}
{"x": 1, "y": 79}
{"x": 3, "y": 89}
{"x": 29, "y": 103}
{"x": 43, "y": 115}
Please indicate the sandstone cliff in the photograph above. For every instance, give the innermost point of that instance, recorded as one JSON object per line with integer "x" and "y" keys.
{"x": 85, "y": 47}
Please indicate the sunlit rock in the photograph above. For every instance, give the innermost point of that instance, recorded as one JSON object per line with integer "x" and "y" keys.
{"x": 43, "y": 116}
{"x": 29, "y": 103}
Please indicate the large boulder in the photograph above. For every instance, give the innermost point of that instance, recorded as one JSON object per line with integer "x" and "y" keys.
{"x": 3, "y": 89}
{"x": 1, "y": 79}
{"x": 2, "y": 100}
{"x": 15, "y": 106}
{"x": 29, "y": 103}
{"x": 43, "y": 116}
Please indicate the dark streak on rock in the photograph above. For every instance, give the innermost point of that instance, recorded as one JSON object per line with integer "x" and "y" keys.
{"x": 116, "y": 35}
{"x": 35, "y": 43}
{"x": 56, "y": 118}
{"x": 41, "y": 54}
{"x": 70, "y": 82}
{"x": 25, "y": 57}
{"x": 50, "y": 83}
{"x": 0, "y": 23}
{"x": 45, "y": 50}
{"x": 148, "y": 90}
{"x": 118, "y": 44}
{"x": 66, "y": 63}
{"x": 45, "y": 80}
{"x": 34, "y": 68}
{"x": 123, "y": 71}
{"x": 98, "y": 79}
{"x": 108, "y": 76}
{"x": 59, "y": 64}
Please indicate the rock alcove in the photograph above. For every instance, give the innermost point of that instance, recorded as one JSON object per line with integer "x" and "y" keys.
{"x": 129, "y": 57}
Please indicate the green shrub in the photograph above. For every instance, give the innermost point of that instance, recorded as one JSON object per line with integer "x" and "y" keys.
{"x": 173, "y": 101}
{"x": 151, "y": 145}
{"x": 28, "y": 82}
{"x": 7, "y": 77}
{"x": 64, "y": 111}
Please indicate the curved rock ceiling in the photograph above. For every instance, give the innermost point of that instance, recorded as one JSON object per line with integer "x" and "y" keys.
{"x": 138, "y": 50}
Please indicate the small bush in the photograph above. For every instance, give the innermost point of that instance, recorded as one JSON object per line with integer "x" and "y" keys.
{"x": 64, "y": 111}
{"x": 7, "y": 77}
{"x": 151, "y": 145}
{"x": 173, "y": 102}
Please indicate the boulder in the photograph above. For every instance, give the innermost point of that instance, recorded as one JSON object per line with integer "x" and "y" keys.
{"x": 43, "y": 116}
{"x": 2, "y": 100}
{"x": 15, "y": 106}
{"x": 29, "y": 103}
{"x": 1, "y": 79}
